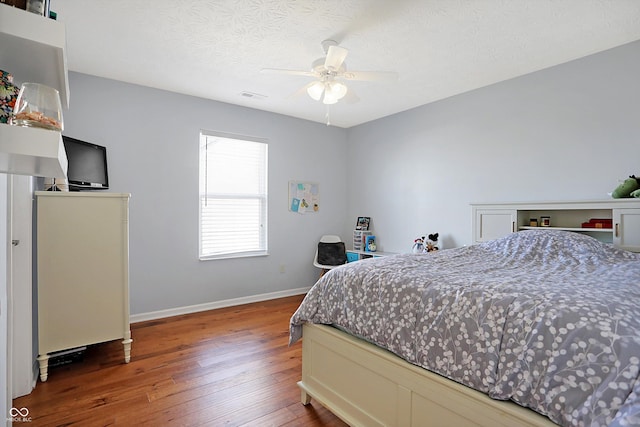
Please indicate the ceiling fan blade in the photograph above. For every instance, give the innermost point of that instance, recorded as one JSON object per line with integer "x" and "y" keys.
{"x": 335, "y": 57}
{"x": 351, "y": 97}
{"x": 301, "y": 92}
{"x": 288, "y": 72}
{"x": 371, "y": 76}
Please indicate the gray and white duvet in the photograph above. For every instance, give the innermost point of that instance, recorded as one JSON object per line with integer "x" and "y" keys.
{"x": 548, "y": 319}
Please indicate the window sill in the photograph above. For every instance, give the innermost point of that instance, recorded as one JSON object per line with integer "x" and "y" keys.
{"x": 233, "y": 256}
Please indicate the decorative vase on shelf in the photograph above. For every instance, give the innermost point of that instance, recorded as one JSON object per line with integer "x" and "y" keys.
{"x": 38, "y": 106}
{"x": 8, "y": 95}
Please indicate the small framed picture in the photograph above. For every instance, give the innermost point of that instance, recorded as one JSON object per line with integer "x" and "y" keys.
{"x": 363, "y": 223}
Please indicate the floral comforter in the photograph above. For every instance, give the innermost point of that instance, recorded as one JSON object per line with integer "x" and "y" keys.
{"x": 548, "y": 319}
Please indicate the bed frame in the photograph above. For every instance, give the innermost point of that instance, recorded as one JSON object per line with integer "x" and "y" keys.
{"x": 365, "y": 385}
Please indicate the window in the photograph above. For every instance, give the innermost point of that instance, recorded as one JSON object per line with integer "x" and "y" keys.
{"x": 233, "y": 196}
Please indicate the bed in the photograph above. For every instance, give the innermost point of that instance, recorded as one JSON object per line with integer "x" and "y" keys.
{"x": 540, "y": 327}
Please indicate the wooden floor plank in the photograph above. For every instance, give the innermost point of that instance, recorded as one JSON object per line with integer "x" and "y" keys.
{"x": 230, "y": 366}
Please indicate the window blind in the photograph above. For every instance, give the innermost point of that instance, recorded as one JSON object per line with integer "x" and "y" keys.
{"x": 233, "y": 196}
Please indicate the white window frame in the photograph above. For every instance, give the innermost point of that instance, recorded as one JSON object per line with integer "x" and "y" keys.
{"x": 206, "y": 196}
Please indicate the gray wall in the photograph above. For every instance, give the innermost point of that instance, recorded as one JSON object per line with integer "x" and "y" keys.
{"x": 570, "y": 132}
{"x": 152, "y": 142}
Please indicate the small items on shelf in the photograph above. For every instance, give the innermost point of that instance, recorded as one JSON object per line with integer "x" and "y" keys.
{"x": 359, "y": 239}
{"x": 598, "y": 223}
{"x": 39, "y": 106}
{"x": 363, "y": 223}
{"x": 370, "y": 244}
{"x": 20, "y": 4}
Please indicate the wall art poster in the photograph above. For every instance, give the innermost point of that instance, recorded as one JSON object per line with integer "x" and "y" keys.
{"x": 304, "y": 197}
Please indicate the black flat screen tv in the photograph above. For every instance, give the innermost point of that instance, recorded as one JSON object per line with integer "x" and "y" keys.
{"x": 87, "y": 169}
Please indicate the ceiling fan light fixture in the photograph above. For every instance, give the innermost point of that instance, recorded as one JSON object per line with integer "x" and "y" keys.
{"x": 329, "y": 95}
{"x": 329, "y": 98}
{"x": 338, "y": 90}
{"x": 315, "y": 90}
{"x": 330, "y": 71}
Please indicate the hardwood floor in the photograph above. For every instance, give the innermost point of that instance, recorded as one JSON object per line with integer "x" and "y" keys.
{"x": 229, "y": 367}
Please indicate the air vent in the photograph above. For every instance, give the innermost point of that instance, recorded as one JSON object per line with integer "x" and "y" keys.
{"x": 252, "y": 95}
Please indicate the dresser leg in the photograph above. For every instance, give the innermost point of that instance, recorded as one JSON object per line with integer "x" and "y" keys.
{"x": 126, "y": 342}
{"x": 43, "y": 360}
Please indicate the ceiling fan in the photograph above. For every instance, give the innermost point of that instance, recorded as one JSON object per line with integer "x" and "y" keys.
{"x": 330, "y": 72}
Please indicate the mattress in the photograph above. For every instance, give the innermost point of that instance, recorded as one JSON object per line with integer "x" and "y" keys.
{"x": 545, "y": 318}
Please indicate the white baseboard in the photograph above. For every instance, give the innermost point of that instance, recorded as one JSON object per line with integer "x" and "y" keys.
{"x": 152, "y": 315}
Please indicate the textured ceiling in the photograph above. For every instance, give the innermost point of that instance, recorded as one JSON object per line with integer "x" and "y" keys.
{"x": 215, "y": 49}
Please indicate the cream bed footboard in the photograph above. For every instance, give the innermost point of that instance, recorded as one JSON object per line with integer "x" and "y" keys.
{"x": 365, "y": 385}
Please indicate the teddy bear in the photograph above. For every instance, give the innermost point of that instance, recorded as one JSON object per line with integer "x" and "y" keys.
{"x": 629, "y": 188}
{"x": 418, "y": 245}
{"x": 431, "y": 243}
{"x": 425, "y": 244}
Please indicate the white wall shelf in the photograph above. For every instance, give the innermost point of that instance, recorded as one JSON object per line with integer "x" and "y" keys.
{"x": 576, "y": 229}
{"x": 34, "y": 49}
{"x": 357, "y": 255}
{"x": 494, "y": 220}
{"x": 32, "y": 151}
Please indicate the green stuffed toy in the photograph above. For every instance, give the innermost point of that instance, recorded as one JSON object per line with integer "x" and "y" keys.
{"x": 629, "y": 188}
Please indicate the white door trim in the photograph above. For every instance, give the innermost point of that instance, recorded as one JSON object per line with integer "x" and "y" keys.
{"x": 20, "y": 285}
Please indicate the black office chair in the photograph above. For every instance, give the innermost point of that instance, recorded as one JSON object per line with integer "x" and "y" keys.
{"x": 330, "y": 253}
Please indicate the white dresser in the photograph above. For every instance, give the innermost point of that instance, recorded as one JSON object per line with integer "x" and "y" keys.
{"x": 82, "y": 271}
{"x": 494, "y": 220}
